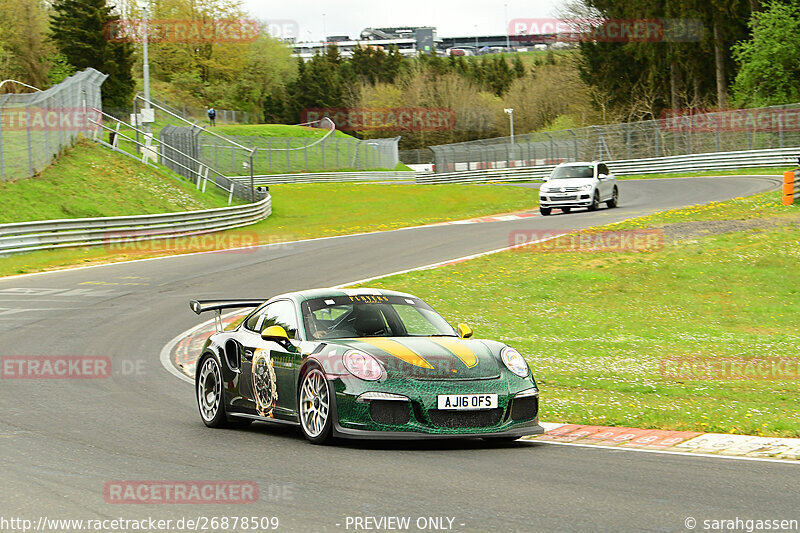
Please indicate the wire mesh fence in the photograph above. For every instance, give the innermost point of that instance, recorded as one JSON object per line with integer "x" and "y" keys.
{"x": 200, "y": 114}
{"x": 286, "y": 155}
{"x": 418, "y": 156}
{"x": 677, "y": 134}
{"x": 36, "y": 127}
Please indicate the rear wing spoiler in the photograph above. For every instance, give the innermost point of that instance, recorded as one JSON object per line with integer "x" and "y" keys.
{"x": 202, "y": 306}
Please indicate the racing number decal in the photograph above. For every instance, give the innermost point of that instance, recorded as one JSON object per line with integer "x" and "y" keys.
{"x": 265, "y": 387}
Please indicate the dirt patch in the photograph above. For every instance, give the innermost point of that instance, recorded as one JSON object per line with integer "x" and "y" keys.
{"x": 681, "y": 231}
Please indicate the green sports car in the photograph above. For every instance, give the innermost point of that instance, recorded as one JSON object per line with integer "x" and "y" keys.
{"x": 361, "y": 363}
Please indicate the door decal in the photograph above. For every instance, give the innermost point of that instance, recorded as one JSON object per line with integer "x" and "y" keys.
{"x": 265, "y": 387}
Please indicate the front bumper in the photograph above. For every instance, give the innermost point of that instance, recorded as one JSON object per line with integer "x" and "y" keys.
{"x": 577, "y": 199}
{"x": 419, "y": 417}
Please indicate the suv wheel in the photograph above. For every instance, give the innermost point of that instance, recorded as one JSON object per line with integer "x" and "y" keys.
{"x": 595, "y": 202}
{"x": 614, "y": 202}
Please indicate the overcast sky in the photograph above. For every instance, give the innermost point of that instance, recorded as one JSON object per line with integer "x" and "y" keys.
{"x": 451, "y": 17}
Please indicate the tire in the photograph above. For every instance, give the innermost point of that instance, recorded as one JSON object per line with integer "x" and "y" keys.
{"x": 545, "y": 211}
{"x": 566, "y": 209}
{"x": 614, "y": 202}
{"x": 210, "y": 397}
{"x": 595, "y": 201}
{"x": 209, "y": 393}
{"x": 314, "y": 406}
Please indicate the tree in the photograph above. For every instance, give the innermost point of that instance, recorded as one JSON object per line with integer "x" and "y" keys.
{"x": 77, "y": 28}
{"x": 519, "y": 66}
{"x": 268, "y": 68}
{"x": 24, "y": 49}
{"x": 673, "y": 71}
{"x": 770, "y": 60}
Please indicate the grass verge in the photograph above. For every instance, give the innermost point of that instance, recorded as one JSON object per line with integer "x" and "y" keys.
{"x": 675, "y": 338}
{"x": 92, "y": 181}
{"x": 301, "y": 211}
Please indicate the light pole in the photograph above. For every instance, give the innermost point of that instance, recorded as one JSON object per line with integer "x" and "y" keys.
{"x": 476, "y": 39}
{"x": 324, "y": 30}
{"x": 510, "y": 113}
{"x": 145, "y": 64}
{"x": 508, "y": 39}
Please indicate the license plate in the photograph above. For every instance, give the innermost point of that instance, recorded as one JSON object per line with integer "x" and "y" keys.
{"x": 466, "y": 402}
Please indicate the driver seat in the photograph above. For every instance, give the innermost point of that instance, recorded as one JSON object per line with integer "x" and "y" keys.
{"x": 369, "y": 322}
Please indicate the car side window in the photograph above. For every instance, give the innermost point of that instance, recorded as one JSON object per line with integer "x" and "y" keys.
{"x": 280, "y": 313}
{"x": 603, "y": 169}
{"x": 255, "y": 320}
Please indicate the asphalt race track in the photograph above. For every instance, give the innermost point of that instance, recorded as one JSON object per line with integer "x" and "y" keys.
{"x": 62, "y": 440}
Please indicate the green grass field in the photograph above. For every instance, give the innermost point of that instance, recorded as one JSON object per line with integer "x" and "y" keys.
{"x": 626, "y": 338}
{"x": 318, "y": 210}
{"x": 92, "y": 181}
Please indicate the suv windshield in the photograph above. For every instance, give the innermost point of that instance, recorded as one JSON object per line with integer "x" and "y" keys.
{"x": 342, "y": 317}
{"x": 572, "y": 171}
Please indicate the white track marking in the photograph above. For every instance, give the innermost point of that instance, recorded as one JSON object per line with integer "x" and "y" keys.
{"x": 667, "y": 452}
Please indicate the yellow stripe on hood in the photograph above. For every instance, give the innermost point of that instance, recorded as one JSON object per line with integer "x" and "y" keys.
{"x": 398, "y": 350}
{"x": 459, "y": 349}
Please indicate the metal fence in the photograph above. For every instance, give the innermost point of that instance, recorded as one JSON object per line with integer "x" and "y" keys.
{"x": 200, "y": 114}
{"x": 419, "y": 156}
{"x": 723, "y": 131}
{"x": 36, "y": 127}
{"x": 111, "y": 231}
{"x": 682, "y": 163}
{"x": 286, "y": 155}
{"x": 395, "y": 176}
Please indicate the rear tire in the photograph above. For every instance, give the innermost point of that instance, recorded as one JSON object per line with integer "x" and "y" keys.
{"x": 614, "y": 202}
{"x": 545, "y": 211}
{"x": 211, "y": 397}
{"x": 595, "y": 202}
{"x": 209, "y": 393}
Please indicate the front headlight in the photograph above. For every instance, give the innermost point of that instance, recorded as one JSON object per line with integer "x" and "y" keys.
{"x": 514, "y": 361}
{"x": 585, "y": 187}
{"x": 362, "y": 365}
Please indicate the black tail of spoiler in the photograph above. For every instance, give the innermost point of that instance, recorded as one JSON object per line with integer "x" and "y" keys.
{"x": 201, "y": 306}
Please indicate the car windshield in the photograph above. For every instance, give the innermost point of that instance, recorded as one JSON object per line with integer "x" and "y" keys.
{"x": 342, "y": 317}
{"x": 572, "y": 171}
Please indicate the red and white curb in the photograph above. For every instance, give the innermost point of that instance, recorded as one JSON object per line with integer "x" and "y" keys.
{"x": 493, "y": 218}
{"x": 682, "y": 442}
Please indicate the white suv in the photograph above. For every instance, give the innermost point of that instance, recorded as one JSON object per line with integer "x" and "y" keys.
{"x": 578, "y": 185}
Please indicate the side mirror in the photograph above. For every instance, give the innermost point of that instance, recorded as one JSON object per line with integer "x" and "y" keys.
{"x": 602, "y": 176}
{"x": 464, "y": 331}
{"x": 275, "y": 333}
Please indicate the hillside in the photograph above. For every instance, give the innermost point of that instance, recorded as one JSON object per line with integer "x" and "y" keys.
{"x": 91, "y": 181}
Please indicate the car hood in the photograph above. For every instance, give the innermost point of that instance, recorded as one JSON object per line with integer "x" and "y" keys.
{"x": 568, "y": 182}
{"x": 429, "y": 357}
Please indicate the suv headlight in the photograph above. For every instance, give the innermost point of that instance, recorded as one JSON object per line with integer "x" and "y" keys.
{"x": 585, "y": 187}
{"x": 514, "y": 362}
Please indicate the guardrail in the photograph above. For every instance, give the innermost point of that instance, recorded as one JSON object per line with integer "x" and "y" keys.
{"x": 791, "y": 186}
{"x": 681, "y": 163}
{"x": 51, "y": 234}
{"x": 315, "y": 177}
